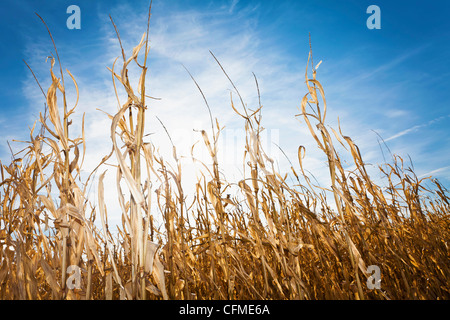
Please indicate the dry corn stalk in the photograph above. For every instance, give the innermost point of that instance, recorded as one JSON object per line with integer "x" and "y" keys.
{"x": 272, "y": 240}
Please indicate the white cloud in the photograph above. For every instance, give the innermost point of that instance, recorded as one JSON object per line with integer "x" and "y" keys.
{"x": 415, "y": 128}
{"x": 233, "y": 5}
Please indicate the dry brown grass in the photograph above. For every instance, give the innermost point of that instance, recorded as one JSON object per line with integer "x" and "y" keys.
{"x": 276, "y": 241}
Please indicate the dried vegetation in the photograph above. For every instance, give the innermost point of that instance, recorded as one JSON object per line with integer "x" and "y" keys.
{"x": 275, "y": 241}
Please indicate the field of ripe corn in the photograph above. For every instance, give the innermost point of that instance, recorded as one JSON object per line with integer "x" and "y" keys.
{"x": 276, "y": 240}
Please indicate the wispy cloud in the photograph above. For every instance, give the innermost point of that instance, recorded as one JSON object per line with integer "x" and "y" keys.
{"x": 233, "y": 5}
{"x": 434, "y": 172}
{"x": 394, "y": 62}
{"x": 416, "y": 128}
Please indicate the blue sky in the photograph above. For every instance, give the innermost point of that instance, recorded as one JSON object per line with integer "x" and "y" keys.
{"x": 394, "y": 80}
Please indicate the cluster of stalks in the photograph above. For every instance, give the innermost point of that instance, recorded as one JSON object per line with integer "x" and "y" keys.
{"x": 275, "y": 240}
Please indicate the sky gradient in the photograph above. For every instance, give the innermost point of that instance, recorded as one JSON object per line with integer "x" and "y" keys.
{"x": 391, "y": 83}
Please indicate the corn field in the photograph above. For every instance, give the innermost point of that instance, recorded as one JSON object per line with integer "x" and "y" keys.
{"x": 277, "y": 240}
